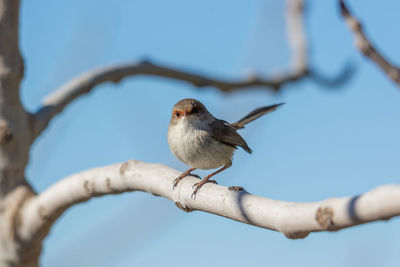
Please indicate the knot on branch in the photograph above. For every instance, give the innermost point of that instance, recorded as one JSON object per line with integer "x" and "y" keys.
{"x": 126, "y": 166}
{"x": 298, "y": 235}
{"x": 235, "y": 188}
{"x": 5, "y": 132}
{"x": 183, "y": 207}
{"x": 324, "y": 217}
{"x": 89, "y": 187}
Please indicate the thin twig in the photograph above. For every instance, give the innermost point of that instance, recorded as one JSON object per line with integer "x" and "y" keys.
{"x": 366, "y": 47}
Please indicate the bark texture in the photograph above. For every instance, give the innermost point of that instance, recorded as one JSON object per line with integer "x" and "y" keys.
{"x": 15, "y": 139}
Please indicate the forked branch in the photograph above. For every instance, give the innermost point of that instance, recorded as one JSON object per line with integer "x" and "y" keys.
{"x": 295, "y": 220}
{"x": 83, "y": 84}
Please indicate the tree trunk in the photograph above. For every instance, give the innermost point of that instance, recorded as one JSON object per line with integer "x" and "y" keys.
{"x": 15, "y": 140}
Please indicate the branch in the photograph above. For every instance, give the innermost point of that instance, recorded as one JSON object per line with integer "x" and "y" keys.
{"x": 366, "y": 47}
{"x": 83, "y": 84}
{"x": 296, "y": 34}
{"x": 14, "y": 120}
{"x": 295, "y": 220}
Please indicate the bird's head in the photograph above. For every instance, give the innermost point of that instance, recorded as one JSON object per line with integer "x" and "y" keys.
{"x": 190, "y": 110}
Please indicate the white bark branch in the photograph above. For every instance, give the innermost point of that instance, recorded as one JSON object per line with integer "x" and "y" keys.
{"x": 366, "y": 47}
{"x": 295, "y": 220}
{"x": 296, "y": 34}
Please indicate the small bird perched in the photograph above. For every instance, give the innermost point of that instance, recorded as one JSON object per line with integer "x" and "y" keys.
{"x": 202, "y": 141}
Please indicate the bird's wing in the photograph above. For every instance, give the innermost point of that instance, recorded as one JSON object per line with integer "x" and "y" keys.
{"x": 255, "y": 114}
{"x": 224, "y": 133}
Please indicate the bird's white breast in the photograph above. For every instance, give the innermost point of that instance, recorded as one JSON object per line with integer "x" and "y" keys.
{"x": 192, "y": 143}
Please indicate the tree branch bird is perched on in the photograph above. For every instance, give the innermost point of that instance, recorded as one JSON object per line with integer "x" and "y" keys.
{"x": 202, "y": 141}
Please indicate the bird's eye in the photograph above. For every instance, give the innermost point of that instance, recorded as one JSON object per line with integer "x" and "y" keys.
{"x": 177, "y": 114}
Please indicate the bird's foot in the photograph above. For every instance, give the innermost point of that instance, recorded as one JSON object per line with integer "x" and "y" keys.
{"x": 198, "y": 185}
{"x": 176, "y": 181}
{"x": 183, "y": 175}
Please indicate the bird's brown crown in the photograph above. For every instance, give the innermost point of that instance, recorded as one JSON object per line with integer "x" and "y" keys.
{"x": 186, "y": 107}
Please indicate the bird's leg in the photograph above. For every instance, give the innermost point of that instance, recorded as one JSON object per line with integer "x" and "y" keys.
{"x": 198, "y": 185}
{"x": 183, "y": 175}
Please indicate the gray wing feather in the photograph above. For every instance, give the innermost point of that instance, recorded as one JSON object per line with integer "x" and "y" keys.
{"x": 224, "y": 133}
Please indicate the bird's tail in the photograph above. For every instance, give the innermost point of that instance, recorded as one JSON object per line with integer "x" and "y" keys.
{"x": 255, "y": 114}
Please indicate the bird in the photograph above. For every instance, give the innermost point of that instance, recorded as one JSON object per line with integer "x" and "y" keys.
{"x": 202, "y": 141}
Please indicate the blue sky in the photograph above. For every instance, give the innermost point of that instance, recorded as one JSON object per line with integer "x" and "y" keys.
{"x": 323, "y": 143}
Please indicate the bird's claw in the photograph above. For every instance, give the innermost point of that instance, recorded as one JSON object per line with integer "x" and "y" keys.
{"x": 176, "y": 181}
{"x": 196, "y": 188}
{"x": 195, "y": 175}
{"x": 198, "y": 185}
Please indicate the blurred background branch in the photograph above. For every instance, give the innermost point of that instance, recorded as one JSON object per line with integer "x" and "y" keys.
{"x": 363, "y": 43}
{"x": 300, "y": 69}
